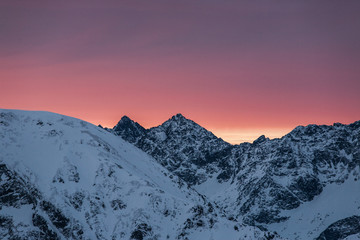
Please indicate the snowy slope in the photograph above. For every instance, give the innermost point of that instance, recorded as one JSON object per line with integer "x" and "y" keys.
{"x": 63, "y": 178}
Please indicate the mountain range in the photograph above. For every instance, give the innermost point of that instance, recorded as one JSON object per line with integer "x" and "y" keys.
{"x": 262, "y": 183}
{"x": 64, "y": 178}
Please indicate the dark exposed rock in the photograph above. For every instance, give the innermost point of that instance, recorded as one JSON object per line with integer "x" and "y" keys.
{"x": 117, "y": 204}
{"x": 261, "y": 139}
{"x": 14, "y": 190}
{"x": 129, "y": 130}
{"x": 77, "y": 200}
{"x": 6, "y": 227}
{"x": 55, "y": 215}
{"x": 141, "y": 231}
{"x": 45, "y": 232}
{"x": 341, "y": 229}
{"x": 306, "y": 187}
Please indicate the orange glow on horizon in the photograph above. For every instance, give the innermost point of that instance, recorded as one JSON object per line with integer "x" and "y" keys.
{"x": 229, "y": 133}
{"x": 223, "y": 65}
{"x": 237, "y": 136}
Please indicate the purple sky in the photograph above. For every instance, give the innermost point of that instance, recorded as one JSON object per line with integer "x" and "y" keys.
{"x": 239, "y": 68}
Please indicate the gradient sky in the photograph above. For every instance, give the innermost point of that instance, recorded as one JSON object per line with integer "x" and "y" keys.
{"x": 238, "y": 68}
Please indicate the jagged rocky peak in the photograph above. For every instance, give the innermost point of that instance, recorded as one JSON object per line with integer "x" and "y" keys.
{"x": 129, "y": 129}
{"x": 185, "y": 133}
{"x": 178, "y": 116}
{"x": 125, "y": 121}
{"x": 260, "y": 139}
{"x": 179, "y": 119}
{"x": 178, "y": 125}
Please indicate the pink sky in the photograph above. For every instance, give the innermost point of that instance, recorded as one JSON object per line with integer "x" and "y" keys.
{"x": 238, "y": 68}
